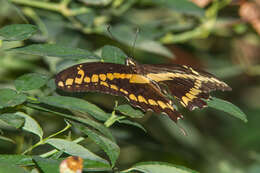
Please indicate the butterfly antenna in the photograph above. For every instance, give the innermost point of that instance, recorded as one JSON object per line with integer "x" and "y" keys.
{"x": 136, "y": 35}
{"x": 110, "y": 33}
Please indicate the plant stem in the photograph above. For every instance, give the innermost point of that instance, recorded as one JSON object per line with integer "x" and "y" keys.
{"x": 203, "y": 30}
{"x": 112, "y": 120}
{"x": 38, "y": 4}
{"x": 43, "y": 140}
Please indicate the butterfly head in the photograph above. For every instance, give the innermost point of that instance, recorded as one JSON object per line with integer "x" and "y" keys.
{"x": 130, "y": 62}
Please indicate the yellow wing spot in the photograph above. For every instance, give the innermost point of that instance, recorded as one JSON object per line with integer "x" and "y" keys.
{"x": 193, "y": 71}
{"x": 185, "y": 100}
{"x": 94, "y": 78}
{"x": 142, "y": 99}
{"x": 132, "y": 97}
{"x": 162, "y": 105}
{"x": 182, "y": 104}
{"x": 117, "y": 75}
{"x": 110, "y": 76}
{"x": 104, "y": 84}
{"x": 216, "y": 80}
{"x": 114, "y": 87}
{"x": 102, "y": 77}
{"x": 123, "y": 91}
{"x": 157, "y": 77}
{"x": 135, "y": 78}
{"x": 152, "y": 102}
{"x": 194, "y": 91}
{"x": 185, "y": 76}
{"x": 80, "y": 79}
{"x": 170, "y": 106}
{"x": 190, "y": 96}
{"x": 69, "y": 81}
{"x": 122, "y": 76}
{"x": 60, "y": 84}
{"x": 128, "y": 76}
{"x": 87, "y": 79}
{"x": 197, "y": 84}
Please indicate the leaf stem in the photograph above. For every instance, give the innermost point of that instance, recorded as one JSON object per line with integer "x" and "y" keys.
{"x": 43, "y": 140}
{"x": 39, "y": 4}
{"x": 113, "y": 118}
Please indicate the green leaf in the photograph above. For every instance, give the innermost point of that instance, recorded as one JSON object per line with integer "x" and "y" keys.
{"x": 10, "y": 98}
{"x": 17, "y": 32}
{"x": 75, "y": 149}
{"x": 12, "y": 119}
{"x": 132, "y": 124}
{"x": 159, "y": 167}
{"x": 13, "y": 159}
{"x": 75, "y": 104}
{"x": 110, "y": 147}
{"x": 113, "y": 55}
{"x": 126, "y": 35}
{"x": 56, "y": 51}
{"x": 47, "y": 165}
{"x": 30, "y": 124}
{"x": 154, "y": 47}
{"x": 5, "y": 167}
{"x": 100, "y": 127}
{"x": 129, "y": 111}
{"x": 227, "y": 107}
{"x": 30, "y": 81}
{"x": 183, "y": 6}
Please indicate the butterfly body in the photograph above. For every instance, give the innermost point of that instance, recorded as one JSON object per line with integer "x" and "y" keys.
{"x": 144, "y": 86}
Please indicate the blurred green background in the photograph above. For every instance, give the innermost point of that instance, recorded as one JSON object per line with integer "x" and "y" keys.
{"x": 214, "y": 38}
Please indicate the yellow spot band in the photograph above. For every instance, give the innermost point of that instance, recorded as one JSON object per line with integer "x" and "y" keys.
{"x": 142, "y": 99}
{"x": 80, "y": 79}
{"x": 110, "y": 76}
{"x": 61, "y": 84}
{"x": 114, "y": 87}
{"x": 102, "y": 77}
{"x": 152, "y": 102}
{"x": 87, "y": 79}
{"x": 69, "y": 81}
{"x": 132, "y": 97}
{"x": 94, "y": 78}
{"x": 104, "y": 84}
{"x": 162, "y": 105}
{"x": 123, "y": 91}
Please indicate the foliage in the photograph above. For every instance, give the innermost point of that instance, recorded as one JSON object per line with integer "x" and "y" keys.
{"x": 102, "y": 129}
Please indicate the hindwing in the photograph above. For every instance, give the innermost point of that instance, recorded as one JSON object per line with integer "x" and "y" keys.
{"x": 189, "y": 86}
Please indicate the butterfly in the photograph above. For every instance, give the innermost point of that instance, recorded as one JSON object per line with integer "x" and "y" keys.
{"x": 145, "y": 86}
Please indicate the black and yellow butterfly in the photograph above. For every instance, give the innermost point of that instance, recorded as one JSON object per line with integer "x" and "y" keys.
{"x": 145, "y": 86}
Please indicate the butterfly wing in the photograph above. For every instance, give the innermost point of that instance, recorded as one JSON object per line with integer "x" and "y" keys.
{"x": 189, "y": 86}
{"x": 149, "y": 97}
{"x": 96, "y": 76}
{"x": 118, "y": 80}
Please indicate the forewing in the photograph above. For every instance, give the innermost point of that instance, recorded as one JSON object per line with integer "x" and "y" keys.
{"x": 97, "y": 76}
